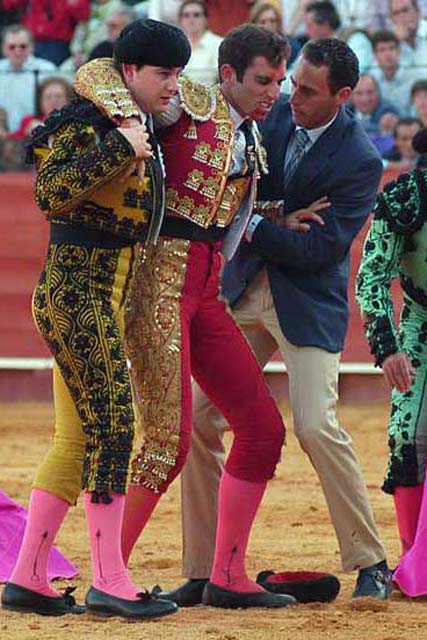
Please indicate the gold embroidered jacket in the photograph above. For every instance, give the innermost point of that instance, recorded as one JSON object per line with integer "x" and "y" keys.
{"x": 197, "y": 148}
{"x": 79, "y": 155}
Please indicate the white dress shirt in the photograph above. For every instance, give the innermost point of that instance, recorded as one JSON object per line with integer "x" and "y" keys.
{"x": 18, "y": 88}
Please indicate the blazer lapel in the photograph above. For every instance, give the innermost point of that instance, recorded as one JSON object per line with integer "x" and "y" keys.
{"x": 320, "y": 155}
{"x": 277, "y": 142}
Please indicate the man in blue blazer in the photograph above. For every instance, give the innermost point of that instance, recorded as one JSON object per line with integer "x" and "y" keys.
{"x": 288, "y": 290}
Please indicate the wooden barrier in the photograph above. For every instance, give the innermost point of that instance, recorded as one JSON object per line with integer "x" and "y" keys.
{"x": 24, "y": 234}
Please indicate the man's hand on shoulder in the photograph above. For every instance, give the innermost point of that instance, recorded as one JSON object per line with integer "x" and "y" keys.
{"x": 137, "y": 136}
{"x": 299, "y": 220}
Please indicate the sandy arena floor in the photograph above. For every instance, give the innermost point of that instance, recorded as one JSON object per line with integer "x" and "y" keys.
{"x": 293, "y": 532}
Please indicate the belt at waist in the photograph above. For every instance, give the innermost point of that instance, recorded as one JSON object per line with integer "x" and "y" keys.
{"x": 180, "y": 228}
{"x": 80, "y": 235}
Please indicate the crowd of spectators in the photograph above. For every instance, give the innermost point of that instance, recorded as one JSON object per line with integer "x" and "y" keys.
{"x": 45, "y": 41}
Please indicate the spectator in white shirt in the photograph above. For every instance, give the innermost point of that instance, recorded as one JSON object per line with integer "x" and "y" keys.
{"x": 20, "y": 73}
{"x": 164, "y": 10}
{"x": 203, "y": 63}
{"x": 394, "y": 82}
{"x": 412, "y": 33}
{"x": 352, "y": 13}
{"x": 378, "y": 15}
{"x": 322, "y": 20}
{"x": 378, "y": 117}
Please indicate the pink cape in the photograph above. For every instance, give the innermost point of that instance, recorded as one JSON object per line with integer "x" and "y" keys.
{"x": 13, "y": 518}
{"x": 411, "y": 572}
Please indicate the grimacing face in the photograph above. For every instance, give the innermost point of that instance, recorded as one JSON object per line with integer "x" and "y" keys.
{"x": 152, "y": 87}
{"x": 312, "y": 102}
{"x": 258, "y": 90}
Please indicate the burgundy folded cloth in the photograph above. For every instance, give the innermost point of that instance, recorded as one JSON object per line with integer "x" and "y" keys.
{"x": 12, "y": 524}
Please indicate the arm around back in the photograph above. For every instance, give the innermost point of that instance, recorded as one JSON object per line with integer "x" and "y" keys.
{"x": 351, "y": 200}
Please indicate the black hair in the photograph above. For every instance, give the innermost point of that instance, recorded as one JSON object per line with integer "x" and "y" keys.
{"x": 324, "y": 13}
{"x": 384, "y": 36}
{"x": 242, "y": 44}
{"x": 340, "y": 59}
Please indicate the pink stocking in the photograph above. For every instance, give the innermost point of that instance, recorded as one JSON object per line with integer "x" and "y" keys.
{"x": 105, "y": 526}
{"x": 46, "y": 513}
{"x": 139, "y": 505}
{"x": 238, "y": 503}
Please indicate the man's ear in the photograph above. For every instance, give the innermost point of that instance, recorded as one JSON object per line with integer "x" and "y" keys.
{"x": 344, "y": 94}
{"x": 128, "y": 71}
{"x": 227, "y": 73}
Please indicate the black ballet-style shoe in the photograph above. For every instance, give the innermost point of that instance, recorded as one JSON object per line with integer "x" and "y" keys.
{"x": 188, "y": 594}
{"x": 99, "y": 603}
{"x": 214, "y": 596}
{"x": 17, "y": 598}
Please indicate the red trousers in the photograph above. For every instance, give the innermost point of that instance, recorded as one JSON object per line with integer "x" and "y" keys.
{"x": 178, "y": 326}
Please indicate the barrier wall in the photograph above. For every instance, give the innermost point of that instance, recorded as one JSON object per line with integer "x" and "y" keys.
{"x": 24, "y": 237}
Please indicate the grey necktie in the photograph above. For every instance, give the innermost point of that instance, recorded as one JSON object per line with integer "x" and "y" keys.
{"x": 300, "y": 143}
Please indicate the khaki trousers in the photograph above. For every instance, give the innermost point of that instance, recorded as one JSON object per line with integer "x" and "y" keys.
{"x": 313, "y": 385}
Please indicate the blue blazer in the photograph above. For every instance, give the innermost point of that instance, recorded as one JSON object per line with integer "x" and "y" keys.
{"x": 308, "y": 272}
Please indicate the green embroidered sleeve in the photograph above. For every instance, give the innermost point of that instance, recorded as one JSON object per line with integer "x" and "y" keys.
{"x": 379, "y": 266}
{"x": 77, "y": 164}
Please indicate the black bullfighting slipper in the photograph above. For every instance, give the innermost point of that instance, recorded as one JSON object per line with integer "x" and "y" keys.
{"x": 17, "y": 598}
{"x": 214, "y": 596}
{"x": 188, "y": 594}
{"x": 304, "y": 586}
{"x": 99, "y": 603}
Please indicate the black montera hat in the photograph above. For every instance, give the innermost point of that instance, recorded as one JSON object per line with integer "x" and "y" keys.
{"x": 154, "y": 43}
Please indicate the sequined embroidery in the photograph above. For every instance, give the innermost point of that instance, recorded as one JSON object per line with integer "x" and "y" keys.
{"x": 77, "y": 307}
{"x": 153, "y": 345}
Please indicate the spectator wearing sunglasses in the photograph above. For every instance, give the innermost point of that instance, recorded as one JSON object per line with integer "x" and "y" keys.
{"x": 20, "y": 73}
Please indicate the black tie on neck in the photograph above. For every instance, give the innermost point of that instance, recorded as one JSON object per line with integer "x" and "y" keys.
{"x": 246, "y": 128}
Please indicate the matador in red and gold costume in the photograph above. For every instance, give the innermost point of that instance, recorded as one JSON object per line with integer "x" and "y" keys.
{"x": 177, "y": 326}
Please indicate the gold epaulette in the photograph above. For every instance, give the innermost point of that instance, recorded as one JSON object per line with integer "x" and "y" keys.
{"x": 197, "y": 99}
{"x": 101, "y": 83}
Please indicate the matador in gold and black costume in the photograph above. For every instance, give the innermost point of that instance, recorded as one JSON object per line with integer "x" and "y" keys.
{"x": 178, "y": 326}
{"x": 98, "y": 208}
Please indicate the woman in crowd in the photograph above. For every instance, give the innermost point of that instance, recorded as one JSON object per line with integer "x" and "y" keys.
{"x": 203, "y": 64}
{"x": 52, "y": 93}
